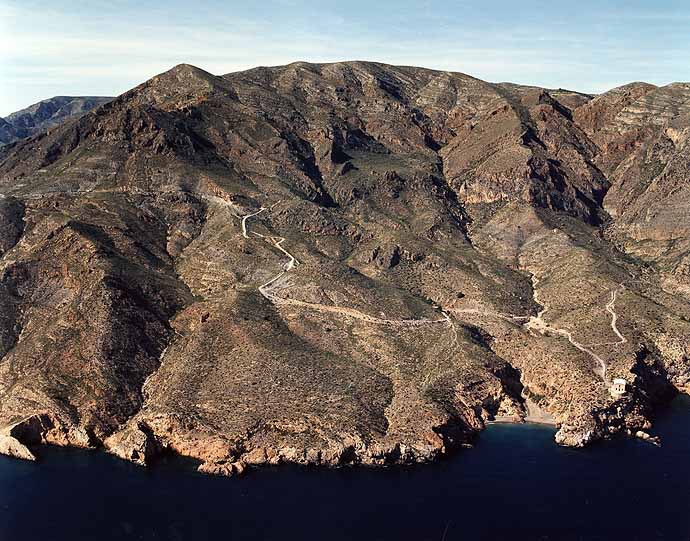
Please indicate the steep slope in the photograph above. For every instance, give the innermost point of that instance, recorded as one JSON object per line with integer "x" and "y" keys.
{"x": 527, "y": 149}
{"x": 320, "y": 263}
{"x": 46, "y": 114}
{"x": 8, "y": 132}
{"x": 643, "y": 143}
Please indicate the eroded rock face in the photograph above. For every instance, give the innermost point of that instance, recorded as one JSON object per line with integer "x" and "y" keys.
{"x": 341, "y": 263}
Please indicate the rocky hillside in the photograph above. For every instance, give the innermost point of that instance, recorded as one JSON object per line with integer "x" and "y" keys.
{"x": 44, "y": 115}
{"x": 340, "y": 263}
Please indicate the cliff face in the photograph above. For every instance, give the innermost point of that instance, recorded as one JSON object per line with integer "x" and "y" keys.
{"x": 339, "y": 263}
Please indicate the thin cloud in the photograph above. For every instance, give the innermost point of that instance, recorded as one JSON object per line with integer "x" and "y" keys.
{"x": 49, "y": 50}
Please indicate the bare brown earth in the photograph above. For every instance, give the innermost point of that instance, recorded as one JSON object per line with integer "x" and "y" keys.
{"x": 342, "y": 263}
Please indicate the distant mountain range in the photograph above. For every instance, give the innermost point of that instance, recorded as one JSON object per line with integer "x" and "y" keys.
{"x": 46, "y": 114}
{"x": 341, "y": 263}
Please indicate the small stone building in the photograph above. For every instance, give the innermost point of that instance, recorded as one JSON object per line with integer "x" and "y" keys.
{"x": 619, "y": 387}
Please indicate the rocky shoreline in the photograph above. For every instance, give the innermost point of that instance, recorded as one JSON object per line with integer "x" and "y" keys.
{"x": 144, "y": 444}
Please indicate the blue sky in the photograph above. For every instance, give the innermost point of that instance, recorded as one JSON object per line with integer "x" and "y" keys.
{"x": 68, "y": 47}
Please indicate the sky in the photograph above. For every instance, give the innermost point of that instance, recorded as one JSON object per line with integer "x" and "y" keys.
{"x": 94, "y": 47}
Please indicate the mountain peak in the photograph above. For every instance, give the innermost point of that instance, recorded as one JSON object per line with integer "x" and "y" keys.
{"x": 187, "y": 75}
{"x": 188, "y": 69}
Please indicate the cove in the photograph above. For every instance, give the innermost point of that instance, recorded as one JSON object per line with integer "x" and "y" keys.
{"x": 514, "y": 484}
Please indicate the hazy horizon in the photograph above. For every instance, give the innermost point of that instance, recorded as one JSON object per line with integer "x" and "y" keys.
{"x": 62, "y": 49}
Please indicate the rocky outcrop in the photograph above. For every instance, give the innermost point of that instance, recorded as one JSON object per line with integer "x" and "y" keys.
{"x": 11, "y": 446}
{"x": 17, "y": 438}
{"x": 137, "y": 445}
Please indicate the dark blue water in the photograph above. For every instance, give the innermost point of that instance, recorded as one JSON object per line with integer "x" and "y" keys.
{"x": 515, "y": 484}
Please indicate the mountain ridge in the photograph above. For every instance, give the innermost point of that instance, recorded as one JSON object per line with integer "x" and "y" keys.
{"x": 342, "y": 263}
{"x": 45, "y": 114}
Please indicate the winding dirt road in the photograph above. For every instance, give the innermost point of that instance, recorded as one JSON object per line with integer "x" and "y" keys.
{"x": 538, "y": 324}
{"x": 269, "y": 288}
{"x": 532, "y": 323}
{"x": 610, "y": 307}
{"x": 245, "y": 218}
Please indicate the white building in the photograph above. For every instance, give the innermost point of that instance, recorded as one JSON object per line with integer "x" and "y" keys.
{"x": 619, "y": 387}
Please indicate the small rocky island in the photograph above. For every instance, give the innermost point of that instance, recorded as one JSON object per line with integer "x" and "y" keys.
{"x": 342, "y": 263}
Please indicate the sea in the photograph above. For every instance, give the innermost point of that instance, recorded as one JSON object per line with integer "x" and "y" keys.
{"x": 514, "y": 484}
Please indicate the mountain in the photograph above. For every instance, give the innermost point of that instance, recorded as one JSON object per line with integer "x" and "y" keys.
{"x": 9, "y": 133}
{"x": 46, "y": 114}
{"x": 342, "y": 263}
